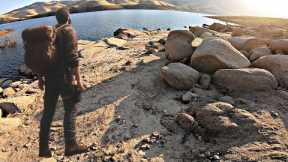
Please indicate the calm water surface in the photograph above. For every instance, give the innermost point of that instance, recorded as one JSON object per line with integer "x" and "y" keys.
{"x": 96, "y": 25}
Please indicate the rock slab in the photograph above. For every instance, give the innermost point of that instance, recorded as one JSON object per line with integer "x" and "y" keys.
{"x": 179, "y": 45}
{"x": 179, "y": 76}
{"x": 215, "y": 54}
{"x": 277, "y": 65}
{"x": 245, "y": 80}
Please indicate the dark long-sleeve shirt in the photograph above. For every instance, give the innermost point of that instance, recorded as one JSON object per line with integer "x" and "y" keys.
{"x": 66, "y": 51}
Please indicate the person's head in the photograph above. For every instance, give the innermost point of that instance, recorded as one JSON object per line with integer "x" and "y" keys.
{"x": 63, "y": 16}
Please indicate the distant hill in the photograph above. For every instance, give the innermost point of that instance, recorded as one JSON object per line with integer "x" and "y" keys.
{"x": 41, "y": 9}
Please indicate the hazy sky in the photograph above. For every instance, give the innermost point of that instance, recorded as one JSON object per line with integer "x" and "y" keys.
{"x": 8, "y": 5}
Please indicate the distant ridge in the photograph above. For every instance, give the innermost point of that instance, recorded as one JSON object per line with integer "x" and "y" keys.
{"x": 42, "y": 9}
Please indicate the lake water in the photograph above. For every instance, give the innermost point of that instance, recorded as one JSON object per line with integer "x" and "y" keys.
{"x": 96, "y": 25}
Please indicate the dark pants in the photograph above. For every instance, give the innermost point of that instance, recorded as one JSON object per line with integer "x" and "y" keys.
{"x": 55, "y": 87}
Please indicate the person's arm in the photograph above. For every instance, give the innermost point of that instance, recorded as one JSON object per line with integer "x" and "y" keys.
{"x": 73, "y": 56}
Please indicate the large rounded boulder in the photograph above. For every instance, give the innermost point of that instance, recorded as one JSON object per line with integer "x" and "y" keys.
{"x": 239, "y": 41}
{"x": 215, "y": 54}
{"x": 254, "y": 43}
{"x": 279, "y": 45}
{"x": 221, "y": 122}
{"x": 218, "y": 27}
{"x": 277, "y": 65}
{"x": 259, "y": 52}
{"x": 245, "y": 80}
{"x": 179, "y": 76}
{"x": 198, "y": 31}
{"x": 179, "y": 45}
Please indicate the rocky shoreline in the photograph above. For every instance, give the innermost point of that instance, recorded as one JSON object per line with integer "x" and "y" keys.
{"x": 212, "y": 93}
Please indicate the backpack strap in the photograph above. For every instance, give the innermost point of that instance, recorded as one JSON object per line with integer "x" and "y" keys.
{"x": 56, "y": 29}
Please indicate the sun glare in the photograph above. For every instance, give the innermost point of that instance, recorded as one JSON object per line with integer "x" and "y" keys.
{"x": 271, "y": 8}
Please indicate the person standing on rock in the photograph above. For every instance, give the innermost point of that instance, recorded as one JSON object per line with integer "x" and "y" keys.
{"x": 63, "y": 80}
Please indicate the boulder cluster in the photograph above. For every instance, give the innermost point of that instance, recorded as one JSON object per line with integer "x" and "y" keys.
{"x": 210, "y": 62}
{"x": 235, "y": 63}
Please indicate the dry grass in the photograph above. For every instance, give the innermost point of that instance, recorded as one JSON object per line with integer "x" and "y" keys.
{"x": 253, "y": 20}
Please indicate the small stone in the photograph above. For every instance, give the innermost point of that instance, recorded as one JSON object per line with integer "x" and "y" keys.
{"x": 162, "y": 41}
{"x": 31, "y": 91}
{"x": 205, "y": 81}
{"x": 202, "y": 155}
{"x": 5, "y": 83}
{"x": 147, "y": 106}
{"x": 27, "y": 145}
{"x": 1, "y": 90}
{"x": 207, "y": 153}
{"x": 186, "y": 121}
{"x": 156, "y": 134}
{"x": 9, "y": 108}
{"x": 216, "y": 157}
{"x": 274, "y": 114}
{"x": 8, "y": 92}
{"x": 145, "y": 147}
{"x": 197, "y": 42}
{"x": 189, "y": 96}
{"x": 227, "y": 99}
{"x": 115, "y": 42}
{"x": 16, "y": 84}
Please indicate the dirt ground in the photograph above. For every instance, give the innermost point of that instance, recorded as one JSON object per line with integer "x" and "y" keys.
{"x": 123, "y": 116}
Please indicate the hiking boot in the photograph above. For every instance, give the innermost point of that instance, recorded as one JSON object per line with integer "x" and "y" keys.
{"x": 74, "y": 148}
{"x": 45, "y": 153}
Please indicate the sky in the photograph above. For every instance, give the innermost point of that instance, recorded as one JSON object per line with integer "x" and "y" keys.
{"x": 8, "y": 5}
{"x": 271, "y": 8}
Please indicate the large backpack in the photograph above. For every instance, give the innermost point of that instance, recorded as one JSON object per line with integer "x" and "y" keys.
{"x": 39, "y": 45}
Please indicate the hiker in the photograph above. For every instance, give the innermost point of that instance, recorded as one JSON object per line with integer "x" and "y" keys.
{"x": 63, "y": 79}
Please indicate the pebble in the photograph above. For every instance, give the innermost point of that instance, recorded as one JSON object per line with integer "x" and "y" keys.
{"x": 1, "y": 90}
{"x": 216, "y": 157}
{"x": 145, "y": 147}
{"x": 227, "y": 99}
{"x": 274, "y": 114}
{"x": 162, "y": 41}
{"x": 5, "y": 83}
{"x": 8, "y": 92}
{"x": 186, "y": 121}
{"x": 205, "y": 81}
{"x": 16, "y": 84}
{"x": 188, "y": 97}
{"x": 31, "y": 91}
